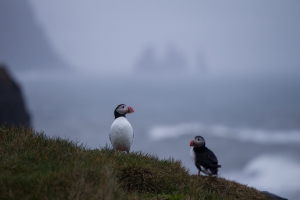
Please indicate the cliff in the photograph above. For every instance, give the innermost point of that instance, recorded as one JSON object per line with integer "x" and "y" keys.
{"x": 38, "y": 167}
{"x": 12, "y": 105}
{"x": 23, "y": 42}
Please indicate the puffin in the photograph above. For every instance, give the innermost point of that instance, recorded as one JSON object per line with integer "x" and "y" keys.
{"x": 204, "y": 159}
{"x": 121, "y": 132}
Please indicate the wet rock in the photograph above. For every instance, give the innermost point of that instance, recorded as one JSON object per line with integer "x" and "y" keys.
{"x": 12, "y": 104}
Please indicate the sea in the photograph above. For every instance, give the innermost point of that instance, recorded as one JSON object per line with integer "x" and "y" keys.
{"x": 252, "y": 124}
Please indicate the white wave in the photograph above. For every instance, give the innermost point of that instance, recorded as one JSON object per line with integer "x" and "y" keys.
{"x": 251, "y": 135}
{"x": 277, "y": 174}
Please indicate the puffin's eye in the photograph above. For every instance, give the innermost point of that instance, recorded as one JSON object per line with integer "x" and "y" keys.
{"x": 123, "y": 106}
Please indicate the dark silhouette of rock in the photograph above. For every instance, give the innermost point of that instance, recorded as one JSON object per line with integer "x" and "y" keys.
{"x": 147, "y": 60}
{"x": 23, "y": 44}
{"x": 173, "y": 61}
{"x": 12, "y": 106}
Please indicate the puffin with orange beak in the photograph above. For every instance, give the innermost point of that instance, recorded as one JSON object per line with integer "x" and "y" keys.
{"x": 121, "y": 132}
{"x": 204, "y": 159}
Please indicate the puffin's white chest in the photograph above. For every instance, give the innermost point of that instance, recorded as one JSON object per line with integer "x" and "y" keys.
{"x": 121, "y": 134}
{"x": 192, "y": 154}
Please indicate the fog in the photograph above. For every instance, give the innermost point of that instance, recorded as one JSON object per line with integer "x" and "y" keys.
{"x": 228, "y": 71}
{"x": 235, "y": 37}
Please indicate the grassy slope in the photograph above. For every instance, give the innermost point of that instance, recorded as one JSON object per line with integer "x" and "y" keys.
{"x": 34, "y": 166}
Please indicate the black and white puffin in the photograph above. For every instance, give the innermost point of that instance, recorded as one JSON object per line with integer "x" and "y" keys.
{"x": 121, "y": 132}
{"x": 204, "y": 159}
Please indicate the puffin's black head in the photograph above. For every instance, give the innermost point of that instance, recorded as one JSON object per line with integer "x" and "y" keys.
{"x": 121, "y": 110}
{"x": 198, "y": 141}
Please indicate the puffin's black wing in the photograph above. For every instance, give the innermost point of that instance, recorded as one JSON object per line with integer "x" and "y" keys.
{"x": 206, "y": 158}
{"x": 211, "y": 156}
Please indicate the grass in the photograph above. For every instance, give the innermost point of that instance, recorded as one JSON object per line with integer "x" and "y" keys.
{"x": 34, "y": 166}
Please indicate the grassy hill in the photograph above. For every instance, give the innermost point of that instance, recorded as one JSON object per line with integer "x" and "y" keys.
{"x": 34, "y": 166}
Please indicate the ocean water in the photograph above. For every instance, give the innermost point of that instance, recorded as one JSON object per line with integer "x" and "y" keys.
{"x": 251, "y": 124}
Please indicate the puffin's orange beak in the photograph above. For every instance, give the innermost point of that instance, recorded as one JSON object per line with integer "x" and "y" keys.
{"x": 192, "y": 143}
{"x": 130, "y": 109}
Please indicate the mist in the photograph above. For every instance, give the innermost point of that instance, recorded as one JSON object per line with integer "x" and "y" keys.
{"x": 235, "y": 38}
{"x": 228, "y": 71}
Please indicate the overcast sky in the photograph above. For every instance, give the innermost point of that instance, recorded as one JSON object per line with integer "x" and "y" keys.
{"x": 233, "y": 37}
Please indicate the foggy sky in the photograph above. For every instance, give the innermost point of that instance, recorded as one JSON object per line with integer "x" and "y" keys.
{"x": 23, "y": 45}
{"x": 234, "y": 37}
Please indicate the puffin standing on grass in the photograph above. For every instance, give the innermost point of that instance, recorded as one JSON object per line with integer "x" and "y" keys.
{"x": 121, "y": 132}
{"x": 204, "y": 159}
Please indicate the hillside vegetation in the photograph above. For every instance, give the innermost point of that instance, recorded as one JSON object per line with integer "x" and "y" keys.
{"x": 34, "y": 166}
